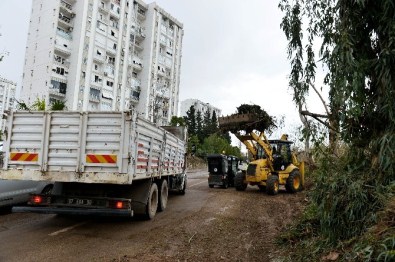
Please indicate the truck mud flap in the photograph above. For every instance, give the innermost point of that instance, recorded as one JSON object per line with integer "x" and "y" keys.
{"x": 73, "y": 211}
{"x": 140, "y": 191}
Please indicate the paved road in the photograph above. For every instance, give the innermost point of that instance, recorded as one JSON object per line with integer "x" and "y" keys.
{"x": 37, "y": 237}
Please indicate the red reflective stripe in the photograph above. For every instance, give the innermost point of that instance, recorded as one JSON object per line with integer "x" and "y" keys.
{"x": 109, "y": 159}
{"x": 30, "y": 157}
{"x": 93, "y": 158}
{"x": 17, "y": 156}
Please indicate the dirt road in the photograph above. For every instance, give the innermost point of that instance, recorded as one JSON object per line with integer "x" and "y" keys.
{"x": 204, "y": 225}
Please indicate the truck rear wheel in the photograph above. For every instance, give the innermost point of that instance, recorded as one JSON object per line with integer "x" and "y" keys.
{"x": 272, "y": 185}
{"x": 293, "y": 183}
{"x": 163, "y": 195}
{"x": 183, "y": 187}
{"x": 152, "y": 202}
{"x": 239, "y": 182}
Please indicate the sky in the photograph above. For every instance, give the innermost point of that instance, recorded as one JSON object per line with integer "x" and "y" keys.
{"x": 234, "y": 52}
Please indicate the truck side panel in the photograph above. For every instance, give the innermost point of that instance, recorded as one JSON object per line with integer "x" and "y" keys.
{"x": 89, "y": 147}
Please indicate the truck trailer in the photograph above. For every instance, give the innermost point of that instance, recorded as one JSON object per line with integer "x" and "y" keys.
{"x": 101, "y": 163}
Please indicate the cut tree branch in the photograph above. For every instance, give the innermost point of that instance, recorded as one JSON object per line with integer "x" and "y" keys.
{"x": 318, "y": 118}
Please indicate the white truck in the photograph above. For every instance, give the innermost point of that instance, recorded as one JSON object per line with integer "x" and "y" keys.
{"x": 101, "y": 163}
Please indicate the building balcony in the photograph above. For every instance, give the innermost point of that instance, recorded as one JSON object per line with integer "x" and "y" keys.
{"x": 138, "y": 67}
{"x": 64, "y": 64}
{"x": 97, "y": 85}
{"x": 63, "y": 50}
{"x": 115, "y": 10}
{"x": 56, "y": 92}
{"x": 99, "y": 59}
{"x": 65, "y": 22}
{"x": 104, "y": 9}
{"x": 162, "y": 42}
{"x": 64, "y": 35}
{"x": 66, "y": 7}
{"x": 138, "y": 46}
{"x": 140, "y": 14}
{"x": 111, "y": 51}
{"x": 94, "y": 98}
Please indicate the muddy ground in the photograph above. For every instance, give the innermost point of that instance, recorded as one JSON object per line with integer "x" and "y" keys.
{"x": 207, "y": 224}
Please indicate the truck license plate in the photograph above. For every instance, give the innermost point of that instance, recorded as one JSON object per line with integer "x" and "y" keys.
{"x": 76, "y": 201}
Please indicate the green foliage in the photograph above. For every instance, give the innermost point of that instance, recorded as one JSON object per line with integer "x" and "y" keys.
{"x": 356, "y": 46}
{"x": 202, "y": 130}
{"x": 215, "y": 144}
{"x": 22, "y": 106}
{"x": 190, "y": 121}
{"x": 347, "y": 197}
{"x": 177, "y": 121}
{"x": 39, "y": 105}
{"x": 199, "y": 126}
{"x": 193, "y": 144}
{"x": 58, "y": 105}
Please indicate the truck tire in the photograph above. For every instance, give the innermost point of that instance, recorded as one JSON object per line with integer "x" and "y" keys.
{"x": 210, "y": 186}
{"x": 152, "y": 202}
{"x": 272, "y": 185}
{"x": 163, "y": 195}
{"x": 239, "y": 182}
{"x": 293, "y": 183}
{"x": 184, "y": 187}
{"x": 225, "y": 185}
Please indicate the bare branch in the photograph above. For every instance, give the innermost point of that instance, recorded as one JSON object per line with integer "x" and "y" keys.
{"x": 322, "y": 100}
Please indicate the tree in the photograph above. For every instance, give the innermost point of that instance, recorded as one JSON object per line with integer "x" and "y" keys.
{"x": 190, "y": 121}
{"x": 356, "y": 46}
{"x": 199, "y": 126}
{"x": 207, "y": 124}
{"x": 177, "y": 121}
{"x": 215, "y": 144}
{"x": 214, "y": 123}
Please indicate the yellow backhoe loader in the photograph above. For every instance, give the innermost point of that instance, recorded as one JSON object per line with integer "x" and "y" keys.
{"x": 273, "y": 162}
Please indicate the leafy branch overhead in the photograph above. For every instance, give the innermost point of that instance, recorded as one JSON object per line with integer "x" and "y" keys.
{"x": 247, "y": 119}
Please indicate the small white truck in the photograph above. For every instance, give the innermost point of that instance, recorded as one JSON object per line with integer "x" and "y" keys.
{"x": 101, "y": 163}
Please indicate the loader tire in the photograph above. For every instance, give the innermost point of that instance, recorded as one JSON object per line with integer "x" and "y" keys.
{"x": 294, "y": 183}
{"x": 152, "y": 202}
{"x": 262, "y": 188}
{"x": 239, "y": 182}
{"x": 272, "y": 185}
{"x": 163, "y": 195}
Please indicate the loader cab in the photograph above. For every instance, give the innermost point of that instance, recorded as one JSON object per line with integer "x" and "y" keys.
{"x": 282, "y": 156}
{"x": 218, "y": 170}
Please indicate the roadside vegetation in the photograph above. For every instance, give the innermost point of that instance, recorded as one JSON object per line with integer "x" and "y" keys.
{"x": 204, "y": 135}
{"x": 40, "y": 105}
{"x": 350, "y": 215}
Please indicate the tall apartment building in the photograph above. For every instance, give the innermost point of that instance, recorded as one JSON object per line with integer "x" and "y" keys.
{"x": 7, "y": 98}
{"x": 199, "y": 106}
{"x": 104, "y": 55}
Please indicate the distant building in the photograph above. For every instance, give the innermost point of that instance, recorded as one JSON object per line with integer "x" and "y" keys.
{"x": 104, "y": 55}
{"x": 7, "y": 98}
{"x": 199, "y": 106}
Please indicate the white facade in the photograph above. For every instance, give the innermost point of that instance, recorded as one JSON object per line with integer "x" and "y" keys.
{"x": 104, "y": 55}
{"x": 199, "y": 106}
{"x": 7, "y": 98}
